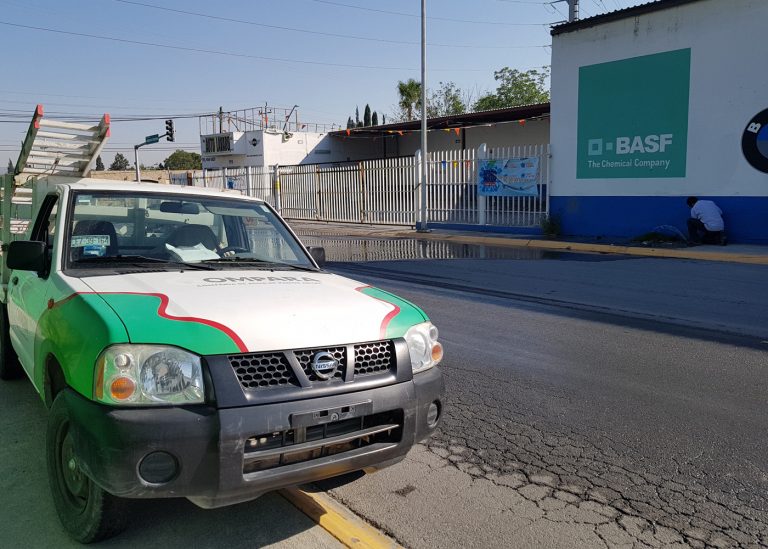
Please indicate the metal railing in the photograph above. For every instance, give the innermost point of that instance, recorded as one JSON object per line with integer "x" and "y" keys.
{"x": 386, "y": 191}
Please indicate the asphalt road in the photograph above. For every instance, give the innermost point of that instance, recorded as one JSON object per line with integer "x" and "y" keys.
{"x": 591, "y": 401}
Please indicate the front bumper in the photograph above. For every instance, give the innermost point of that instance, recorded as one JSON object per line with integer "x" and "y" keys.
{"x": 217, "y": 452}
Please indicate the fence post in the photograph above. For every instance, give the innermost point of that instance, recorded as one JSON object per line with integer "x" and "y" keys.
{"x": 223, "y": 178}
{"x": 363, "y": 201}
{"x": 276, "y": 180}
{"x": 248, "y": 181}
{"x": 419, "y": 196}
{"x": 482, "y": 154}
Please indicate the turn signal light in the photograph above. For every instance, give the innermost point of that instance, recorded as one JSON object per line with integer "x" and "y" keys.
{"x": 437, "y": 352}
{"x": 122, "y": 388}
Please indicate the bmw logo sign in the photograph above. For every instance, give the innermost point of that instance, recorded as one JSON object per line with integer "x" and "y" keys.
{"x": 754, "y": 141}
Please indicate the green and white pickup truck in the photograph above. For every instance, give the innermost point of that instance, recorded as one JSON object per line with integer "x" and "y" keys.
{"x": 188, "y": 345}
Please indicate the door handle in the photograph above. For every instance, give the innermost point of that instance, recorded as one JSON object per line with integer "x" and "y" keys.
{"x": 15, "y": 280}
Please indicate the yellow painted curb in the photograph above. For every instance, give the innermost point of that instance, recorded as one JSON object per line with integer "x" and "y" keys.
{"x": 585, "y": 247}
{"x": 339, "y": 521}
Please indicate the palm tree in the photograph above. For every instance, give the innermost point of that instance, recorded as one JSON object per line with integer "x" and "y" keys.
{"x": 410, "y": 96}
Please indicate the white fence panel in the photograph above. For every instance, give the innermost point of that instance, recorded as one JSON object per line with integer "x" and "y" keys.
{"x": 384, "y": 191}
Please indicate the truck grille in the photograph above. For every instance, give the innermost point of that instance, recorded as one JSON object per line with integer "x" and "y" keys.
{"x": 374, "y": 358}
{"x": 263, "y": 370}
{"x": 276, "y": 369}
{"x": 272, "y": 450}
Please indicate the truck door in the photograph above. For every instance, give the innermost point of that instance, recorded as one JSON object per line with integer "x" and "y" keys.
{"x": 28, "y": 291}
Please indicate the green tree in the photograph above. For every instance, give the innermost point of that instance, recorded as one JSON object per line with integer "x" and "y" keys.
{"x": 374, "y": 119}
{"x": 120, "y": 163}
{"x": 516, "y": 88}
{"x": 445, "y": 101}
{"x": 99, "y": 164}
{"x": 350, "y": 123}
{"x": 409, "y": 100}
{"x": 357, "y": 118}
{"x": 367, "y": 115}
{"x": 183, "y": 160}
{"x": 11, "y": 167}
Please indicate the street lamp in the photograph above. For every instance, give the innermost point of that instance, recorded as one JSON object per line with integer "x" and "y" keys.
{"x": 423, "y": 212}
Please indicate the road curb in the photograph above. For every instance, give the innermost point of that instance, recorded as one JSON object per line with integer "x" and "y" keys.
{"x": 557, "y": 245}
{"x": 339, "y": 521}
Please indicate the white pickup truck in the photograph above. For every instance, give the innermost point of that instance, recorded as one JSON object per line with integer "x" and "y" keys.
{"x": 188, "y": 345}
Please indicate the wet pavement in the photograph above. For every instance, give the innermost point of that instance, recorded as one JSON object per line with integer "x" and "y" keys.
{"x": 356, "y": 249}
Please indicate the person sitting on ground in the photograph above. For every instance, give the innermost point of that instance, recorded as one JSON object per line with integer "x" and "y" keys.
{"x": 705, "y": 226}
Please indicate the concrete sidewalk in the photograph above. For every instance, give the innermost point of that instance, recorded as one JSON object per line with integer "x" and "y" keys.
{"x": 734, "y": 253}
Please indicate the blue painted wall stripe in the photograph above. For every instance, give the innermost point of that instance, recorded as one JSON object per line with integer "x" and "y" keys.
{"x": 746, "y": 217}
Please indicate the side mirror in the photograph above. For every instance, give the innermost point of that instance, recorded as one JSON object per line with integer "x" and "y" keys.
{"x": 318, "y": 254}
{"x": 27, "y": 255}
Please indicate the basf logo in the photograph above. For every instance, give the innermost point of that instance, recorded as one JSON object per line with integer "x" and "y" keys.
{"x": 633, "y": 117}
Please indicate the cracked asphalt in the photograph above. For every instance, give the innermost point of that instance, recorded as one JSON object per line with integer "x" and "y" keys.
{"x": 584, "y": 426}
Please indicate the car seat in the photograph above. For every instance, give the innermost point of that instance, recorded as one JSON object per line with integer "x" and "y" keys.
{"x": 187, "y": 236}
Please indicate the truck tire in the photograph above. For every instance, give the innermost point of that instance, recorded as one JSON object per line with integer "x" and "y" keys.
{"x": 9, "y": 362}
{"x": 86, "y": 511}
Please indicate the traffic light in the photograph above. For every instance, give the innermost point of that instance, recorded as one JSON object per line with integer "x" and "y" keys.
{"x": 169, "y": 130}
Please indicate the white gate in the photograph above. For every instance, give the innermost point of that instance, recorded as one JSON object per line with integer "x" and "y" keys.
{"x": 387, "y": 191}
{"x": 452, "y": 190}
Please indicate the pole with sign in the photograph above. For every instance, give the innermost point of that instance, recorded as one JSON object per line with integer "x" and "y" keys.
{"x": 149, "y": 140}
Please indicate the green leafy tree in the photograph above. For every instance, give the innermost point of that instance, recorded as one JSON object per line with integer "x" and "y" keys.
{"x": 445, "y": 101}
{"x": 516, "y": 88}
{"x": 350, "y": 123}
{"x": 374, "y": 119}
{"x": 183, "y": 160}
{"x": 99, "y": 164}
{"x": 120, "y": 163}
{"x": 357, "y": 118}
{"x": 409, "y": 98}
{"x": 367, "y": 115}
{"x": 11, "y": 167}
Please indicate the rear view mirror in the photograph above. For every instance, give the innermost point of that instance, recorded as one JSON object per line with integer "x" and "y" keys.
{"x": 318, "y": 254}
{"x": 27, "y": 255}
{"x": 180, "y": 207}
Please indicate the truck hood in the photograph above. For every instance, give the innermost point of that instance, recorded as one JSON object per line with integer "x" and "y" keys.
{"x": 217, "y": 312}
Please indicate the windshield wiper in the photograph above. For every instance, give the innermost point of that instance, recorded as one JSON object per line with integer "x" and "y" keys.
{"x": 138, "y": 259}
{"x": 262, "y": 262}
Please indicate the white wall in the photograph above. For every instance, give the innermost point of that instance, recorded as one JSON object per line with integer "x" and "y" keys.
{"x": 729, "y": 56}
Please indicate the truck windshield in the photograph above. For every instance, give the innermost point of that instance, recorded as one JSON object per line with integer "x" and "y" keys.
{"x": 112, "y": 228}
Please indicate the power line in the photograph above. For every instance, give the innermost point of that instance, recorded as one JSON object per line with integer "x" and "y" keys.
{"x": 224, "y": 53}
{"x": 320, "y": 33}
{"x": 433, "y": 18}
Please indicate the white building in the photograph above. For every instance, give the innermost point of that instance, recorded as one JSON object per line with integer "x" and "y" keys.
{"x": 657, "y": 102}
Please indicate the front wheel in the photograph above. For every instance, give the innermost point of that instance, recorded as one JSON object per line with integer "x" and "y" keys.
{"x": 9, "y": 362}
{"x": 86, "y": 511}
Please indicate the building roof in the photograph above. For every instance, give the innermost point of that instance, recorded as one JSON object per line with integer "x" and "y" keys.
{"x": 617, "y": 15}
{"x": 511, "y": 114}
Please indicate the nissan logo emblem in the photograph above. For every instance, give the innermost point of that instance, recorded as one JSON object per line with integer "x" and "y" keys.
{"x": 324, "y": 365}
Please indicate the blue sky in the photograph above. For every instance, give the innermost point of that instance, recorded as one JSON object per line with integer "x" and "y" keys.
{"x": 76, "y": 74}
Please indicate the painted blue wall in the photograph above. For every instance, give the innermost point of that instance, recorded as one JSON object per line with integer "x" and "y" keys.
{"x": 746, "y": 218}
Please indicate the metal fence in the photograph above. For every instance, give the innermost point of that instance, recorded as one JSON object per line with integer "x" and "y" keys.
{"x": 387, "y": 191}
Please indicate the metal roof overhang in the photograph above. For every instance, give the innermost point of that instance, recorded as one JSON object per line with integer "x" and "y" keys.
{"x": 481, "y": 118}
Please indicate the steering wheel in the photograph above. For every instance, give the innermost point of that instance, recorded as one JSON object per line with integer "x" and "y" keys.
{"x": 233, "y": 250}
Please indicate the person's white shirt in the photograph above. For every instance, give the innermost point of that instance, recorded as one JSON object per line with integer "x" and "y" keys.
{"x": 708, "y": 213}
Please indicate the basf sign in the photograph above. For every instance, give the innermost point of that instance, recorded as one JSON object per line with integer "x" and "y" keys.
{"x": 633, "y": 117}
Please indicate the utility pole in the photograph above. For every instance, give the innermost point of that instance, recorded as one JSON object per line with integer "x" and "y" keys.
{"x": 423, "y": 209}
{"x": 573, "y": 10}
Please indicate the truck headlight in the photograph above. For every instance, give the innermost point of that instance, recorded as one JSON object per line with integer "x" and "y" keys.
{"x": 423, "y": 346}
{"x": 142, "y": 375}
